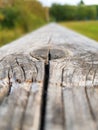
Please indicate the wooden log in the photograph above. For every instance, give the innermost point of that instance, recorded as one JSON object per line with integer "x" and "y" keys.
{"x": 49, "y": 80}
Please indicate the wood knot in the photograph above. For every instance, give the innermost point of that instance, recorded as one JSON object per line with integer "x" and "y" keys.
{"x": 47, "y": 53}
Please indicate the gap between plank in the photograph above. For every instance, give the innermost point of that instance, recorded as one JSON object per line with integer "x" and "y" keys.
{"x": 45, "y": 88}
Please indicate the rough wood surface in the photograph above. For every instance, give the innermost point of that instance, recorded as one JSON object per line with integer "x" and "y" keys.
{"x": 49, "y": 80}
{"x": 54, "y": 110}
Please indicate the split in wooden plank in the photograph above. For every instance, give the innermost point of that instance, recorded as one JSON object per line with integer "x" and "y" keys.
{"x": 54, "y": 102}
{"x": 70, "y": 91}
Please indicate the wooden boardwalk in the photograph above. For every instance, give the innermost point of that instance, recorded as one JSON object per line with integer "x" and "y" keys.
{"x": 49, "y": 81}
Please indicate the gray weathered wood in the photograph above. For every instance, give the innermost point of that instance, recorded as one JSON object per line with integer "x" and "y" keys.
{"x": 26, "y": 78}
{"x": 54, "y": 110}
{"x": 55, "y": 67}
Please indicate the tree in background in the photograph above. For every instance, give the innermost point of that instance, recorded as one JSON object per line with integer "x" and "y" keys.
{"x": 57, "y": 12}
{"x": 81, "y": 3}
{"x": 26, "y": 14}
{"x": 20, "y": 16}
{"x": 70, "y": 12}
{"x": 67, "y": 12}
{"x": 91, "y": 12}
{"x": 96, "y": 6}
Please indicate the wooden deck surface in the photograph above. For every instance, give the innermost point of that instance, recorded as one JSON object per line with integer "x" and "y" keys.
{"x": 49, "y": 81}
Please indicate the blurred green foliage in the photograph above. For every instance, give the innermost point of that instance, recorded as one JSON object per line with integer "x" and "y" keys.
{"x": 67, "y": 12}
{"x": 19, "y": 17}
{"x": 8, "y": 17}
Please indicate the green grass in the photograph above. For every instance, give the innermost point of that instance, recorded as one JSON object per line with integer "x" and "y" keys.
{"x": 87, "y": 28}
{"x": 8, "y": 35}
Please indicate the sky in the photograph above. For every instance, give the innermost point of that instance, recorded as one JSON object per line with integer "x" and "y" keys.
{"x": 72, "y": 2}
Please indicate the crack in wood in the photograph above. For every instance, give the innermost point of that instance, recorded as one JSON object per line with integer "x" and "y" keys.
{"x": 55, "y": 52}
{"x": 52, "y": 83}
{"x": 16, "y": 68}
{"x": 80, "y": 71}
{"x": 90, "y": 107}
{"x": 45, "y": 88}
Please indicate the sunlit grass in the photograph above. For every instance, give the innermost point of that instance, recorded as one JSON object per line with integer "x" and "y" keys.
{"x": 87, "y": 28}
{"x": 7, "y": 35}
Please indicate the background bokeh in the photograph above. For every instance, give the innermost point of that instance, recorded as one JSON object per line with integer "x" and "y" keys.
{"x": 18, "y": 17}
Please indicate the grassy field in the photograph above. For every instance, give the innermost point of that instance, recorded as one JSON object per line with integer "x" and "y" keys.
{"x": 11, "y": 34}
{"x": 88, "y": 28}
{"x": 8, "y": 35}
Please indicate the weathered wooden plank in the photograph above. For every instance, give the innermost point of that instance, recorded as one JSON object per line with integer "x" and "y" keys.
{"x": 70, "y": 89}
{"x": 10, "y": 108}
{"x": 33, "y": 111}
{"x": 79, "y": 75}
{"x": 17, "y": 69}
{"x": 77, "y": 111}
{"x": 26, "y": 79}
{"x": 4, "y": 88}
{"x": 54, "y": 110}
{"x": 54, "y": 107}
{"x": 92, "y": 96}
{"x": 51, "y": 34}
{"x": 66, "y": 93}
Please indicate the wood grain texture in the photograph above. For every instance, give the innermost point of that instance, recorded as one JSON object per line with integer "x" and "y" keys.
{"x": 77, "y": 110}
{"x": 55, "y": 67}
{"x": 21, "y": 92}
{"x": 54, "y": 110}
